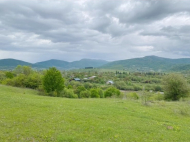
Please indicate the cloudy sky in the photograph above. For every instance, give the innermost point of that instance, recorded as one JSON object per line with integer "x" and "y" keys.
{"x": 37, "y": 30}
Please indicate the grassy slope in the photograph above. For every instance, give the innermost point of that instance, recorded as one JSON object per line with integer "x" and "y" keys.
{"x": 25, "y": 116}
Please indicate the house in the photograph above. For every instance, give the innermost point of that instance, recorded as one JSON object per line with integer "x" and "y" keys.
{"x": 110, "y": 82}
{"x": 76, "y": 79}
{"x": 92, "y": 77}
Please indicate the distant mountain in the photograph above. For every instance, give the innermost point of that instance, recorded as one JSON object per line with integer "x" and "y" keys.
{"x": 87, "y": 63}
{"x": 148, "y": 63}
{"x": 72, "y": 65}
{"x": 53, "y": 63}
{"x": 12, "y": 63}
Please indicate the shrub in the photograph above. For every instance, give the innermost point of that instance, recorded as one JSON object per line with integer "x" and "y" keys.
{"x": 156, "y": 97}
{"x": 175, "y": 87}
{"x": 75, "y": 84}
{"x": 137, "y": 88}
{"x": 158, "y": 88}
{"x": 78, "y": 90}
{"x": 133, "y": 95}
{"x": 85, "y": 94}
{"x": 129, "y": 88}
{"x": 111, "y": 92}
{"x": 69, "y": 87}
{"x": 18, "y": 81}
{"x": 88, "y": 85}
{"x": 2, "y": 76}
{"x": 100, "y": 92}
{"x": 9, "y": 75}
{"x": 94, "y": 93}
{"x": 120, "y": 85}
{"x": 68, "y": 93}
{"x": 33, "y": 81}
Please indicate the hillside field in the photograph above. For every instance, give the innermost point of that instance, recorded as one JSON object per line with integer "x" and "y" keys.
{"x": 26, "y": 116}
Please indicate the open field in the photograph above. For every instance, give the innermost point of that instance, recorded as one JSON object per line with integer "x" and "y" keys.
{"x": 25, "y": 116}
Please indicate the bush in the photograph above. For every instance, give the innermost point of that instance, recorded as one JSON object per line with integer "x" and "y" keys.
{"x": 85, "y": 94}
{"x": 100, "y": 92}
{"x": 129, "y": 88}
{"x": 33, "y": 81}
{"x": 137, "y": 88}
{"x": 68, "y": 93}
{"x": 9, "y": 75}
{"x": 158, "y": 88}
{"x": 111, "y": 92}
{"x": 18, "y": 81}
{"x": 94, "y": 93}
{"x": 2, "y": 76}
{"x": 78, "y": 90}
{"x": 156, "y": 97}
{"x": 175, "y": 87}
{"x": 88, "y": 85}
{"x": 133, "y": 95}
{"x": 120, "y": 85}
{"x": 74, "y": 84}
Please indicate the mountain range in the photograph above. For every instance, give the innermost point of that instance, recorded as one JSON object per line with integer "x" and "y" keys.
{"x": 148, "y": 63}
{"x": 62, "y": 65}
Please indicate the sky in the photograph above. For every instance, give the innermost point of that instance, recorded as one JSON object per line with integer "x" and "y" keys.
{"x": 70, "y": 30}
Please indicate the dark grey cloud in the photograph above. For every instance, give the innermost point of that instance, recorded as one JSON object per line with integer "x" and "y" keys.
{"x": 36, "y": 30}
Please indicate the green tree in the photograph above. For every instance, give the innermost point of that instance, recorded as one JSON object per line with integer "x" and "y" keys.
{"x": 175, "y": 87}
{"x": 53, "y": 81}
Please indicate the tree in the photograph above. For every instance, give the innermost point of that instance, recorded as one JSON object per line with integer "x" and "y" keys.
{"x": 175, "y": 87}
{"x": 53, "y": 81}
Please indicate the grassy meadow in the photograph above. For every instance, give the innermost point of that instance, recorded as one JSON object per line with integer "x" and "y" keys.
{"x": 26, "y": 116}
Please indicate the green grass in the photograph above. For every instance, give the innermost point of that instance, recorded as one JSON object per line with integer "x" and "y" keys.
{"x": 25, "y": 116}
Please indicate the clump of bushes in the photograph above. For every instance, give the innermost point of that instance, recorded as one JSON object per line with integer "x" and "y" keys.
{"x": 175, "y": 87}
{"x": 85, "y": 94}
{"x": 68, "y": 93}
{"x": 112, "y": 91}
{"x": 133, "y": 95}
{"x": 156, "y": 97}
{"x": 94, "y": 93}
{"x": 32, "y": 81}
{"x": 137, "y": 88}
{"x": 158, "y": 88}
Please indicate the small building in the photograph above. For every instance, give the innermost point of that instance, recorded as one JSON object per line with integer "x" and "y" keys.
{"x": 76, "y": 79}
{"x": 92, "y": 77}
{"x": 110, "y": 82}
{"x": 88, "y": 67}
